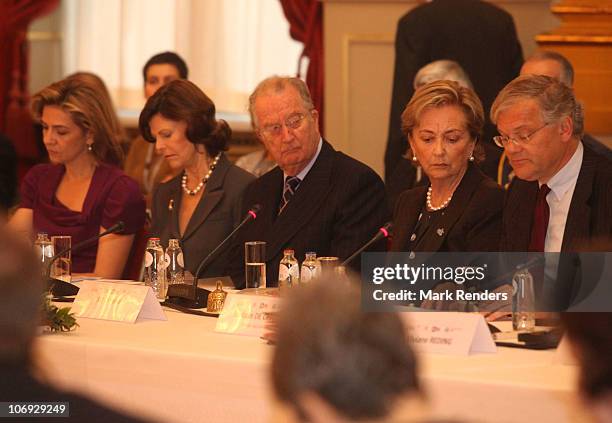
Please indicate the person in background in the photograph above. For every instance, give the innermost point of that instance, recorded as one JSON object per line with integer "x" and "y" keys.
{"x": 555, "y": 65}
{"x": 478, "y": 35}
{"x": 20, "y": 319}
{"x": 335, "y": 363}
{"x": 201, "y": 205}
{"x": 591, "y": 341}
{"x": 93, "y": 79}
{"x": 142, "y": 162}
{"x": 258, "y": 162}
{"x": 8, "y": 176}
{"x": 82, "y": 192}
{"x": 317, "y": 199}
{"x": 408, "y": 174}
{"x": 461, "y": 209}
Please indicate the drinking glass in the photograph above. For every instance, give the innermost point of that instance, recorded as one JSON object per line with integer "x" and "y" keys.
{"x": 61, "y": 268}
{"x": 255, "y": 264}
{"x": 328, "y": 264}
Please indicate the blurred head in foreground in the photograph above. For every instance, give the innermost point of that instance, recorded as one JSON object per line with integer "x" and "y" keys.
{"x": 20, "y": 303}
{"x": 334, "y": 362}
{"x": 591, "y": 340}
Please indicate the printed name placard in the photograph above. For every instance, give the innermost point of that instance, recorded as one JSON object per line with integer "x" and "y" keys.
{"x": 448, "y": 333}
{"x": 246, "y": 314}
{"x": 119, "y": 302}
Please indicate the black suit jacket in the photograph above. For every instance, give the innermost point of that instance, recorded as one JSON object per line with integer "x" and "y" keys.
{"x": 471, "y": 222}
{"x": 590, "y": 212}
{"x": 479, "y": 36}
{"x": 215, "y": 216}
{"x": 337, "y": 208}
{"x": 17, "y": 385}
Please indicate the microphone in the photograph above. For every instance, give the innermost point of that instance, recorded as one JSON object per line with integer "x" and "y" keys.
{"x": 60, "y": 288}
{"x": 383, "y": 232}
{"x": 190, "y": 295}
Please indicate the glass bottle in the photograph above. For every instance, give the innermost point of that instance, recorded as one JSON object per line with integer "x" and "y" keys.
{"x": 44, "y": 249}
{"x": 288, "y": 271}
{"x": 523, "y": 301}
{"x": 176, "y": 266}
{"x": 155, "y": 266}
{"x": 311, "y": 268}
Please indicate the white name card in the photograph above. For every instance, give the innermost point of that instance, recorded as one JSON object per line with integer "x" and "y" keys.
{"x": 119, "y": 302}
{"x": 448, "y": 333}
{"x": 246, "y": 314}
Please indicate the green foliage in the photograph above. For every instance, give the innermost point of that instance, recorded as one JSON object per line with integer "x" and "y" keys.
{"x": 58, "y": 319}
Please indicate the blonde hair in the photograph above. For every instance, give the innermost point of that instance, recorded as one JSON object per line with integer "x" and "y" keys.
{"x": 446, "y": 93}
{"x": 555, "y": 100}
{"x": 90, "y": 110}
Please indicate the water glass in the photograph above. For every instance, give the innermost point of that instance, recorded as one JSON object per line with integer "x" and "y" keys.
{"x": 328, "y": 264}
{"x": 61, "y": 268}
{"x": 255, "y": 264}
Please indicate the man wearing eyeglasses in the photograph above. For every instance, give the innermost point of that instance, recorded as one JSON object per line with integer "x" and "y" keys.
{"x": 560, "y": 199}
{"x": 317, "y": 199}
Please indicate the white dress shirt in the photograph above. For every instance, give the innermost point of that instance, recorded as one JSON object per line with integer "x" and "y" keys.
{"x": 562, "y": 186}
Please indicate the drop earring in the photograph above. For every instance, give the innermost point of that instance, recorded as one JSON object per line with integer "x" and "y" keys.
{"x": 471, "y": 158}
{"x": 90, "y": 147}
{"x": 414, "y": 159}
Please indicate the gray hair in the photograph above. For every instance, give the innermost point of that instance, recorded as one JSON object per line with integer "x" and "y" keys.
{"x": 555, "y": 99}
{"x": 359, "y": 363}
{"x": 567, "y": 70}
{"x": 442, "y": 69}
{"x": 278, "y": 84}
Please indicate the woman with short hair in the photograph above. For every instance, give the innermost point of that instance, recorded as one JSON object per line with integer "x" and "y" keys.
{"x": 461, "y": 208}
{"x": 201, "y": 205}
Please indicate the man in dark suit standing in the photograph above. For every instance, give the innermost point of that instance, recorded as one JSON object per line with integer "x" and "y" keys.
{"x": 479, "y": 36}
{"x": 317, "y": 199}
{"x": 561, "y": 196}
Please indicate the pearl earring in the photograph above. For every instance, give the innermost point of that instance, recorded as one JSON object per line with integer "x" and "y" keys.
{"x": 90, "y": 147}
{"x": 471, "y": 158}
{"x": 414, "y": 159}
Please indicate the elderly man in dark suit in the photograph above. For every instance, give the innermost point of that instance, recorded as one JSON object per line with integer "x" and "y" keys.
{"x": 561, "y": 197}
{"x": 478, "y": 35}
{"x": 317, "y": 199}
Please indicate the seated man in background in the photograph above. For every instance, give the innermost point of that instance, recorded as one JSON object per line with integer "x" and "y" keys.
{"x": 317, "y": 199}
{"x": 143, "y": 163}
{"x": 20, "y": 305}
{"x": 560, "y": 197}
{"x": 555, "y": 65}
{"x": 333, "y": 362}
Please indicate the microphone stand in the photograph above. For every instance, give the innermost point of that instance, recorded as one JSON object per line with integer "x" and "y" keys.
{"x": 382, "y": 233}
{"x": 191, "y": 295}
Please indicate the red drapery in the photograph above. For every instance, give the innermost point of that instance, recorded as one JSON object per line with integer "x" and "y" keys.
{"x": 15, "y": 119}
{"x": 306, "y": 25}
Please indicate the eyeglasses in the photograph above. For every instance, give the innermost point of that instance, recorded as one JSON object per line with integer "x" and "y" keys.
{"x": 502, "y": 140}
{"x": 293, "y": 122}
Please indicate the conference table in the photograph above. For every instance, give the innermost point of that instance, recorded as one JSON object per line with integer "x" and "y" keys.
{"x": 181, "y": 370}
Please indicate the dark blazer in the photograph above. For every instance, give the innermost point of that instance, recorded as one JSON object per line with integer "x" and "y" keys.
{"x": 213, "y": 219}
{"x": 337, "y": 208}
{"x": 590, "y": 212}
{"x": 479, "y": 36}
{"x": 471, "y": 222}
{"x": 17, "y": 385}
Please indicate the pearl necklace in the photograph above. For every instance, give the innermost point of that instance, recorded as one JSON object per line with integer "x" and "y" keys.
{"x": 441, "y": 206}
{"x": 203, "y": 181}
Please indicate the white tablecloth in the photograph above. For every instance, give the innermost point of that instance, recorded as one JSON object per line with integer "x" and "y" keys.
{"x": 180, "y": 370}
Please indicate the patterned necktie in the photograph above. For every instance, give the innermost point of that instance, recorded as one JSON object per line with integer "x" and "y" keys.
{"x": 541, "y": 214}
{"x": 291, "y": 185}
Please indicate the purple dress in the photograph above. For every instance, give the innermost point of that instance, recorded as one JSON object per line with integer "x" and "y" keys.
{"x": 112, "y": 196}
